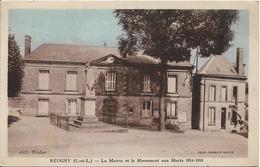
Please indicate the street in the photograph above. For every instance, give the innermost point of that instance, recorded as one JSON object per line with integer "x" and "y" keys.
{"x": 36, "y": 137}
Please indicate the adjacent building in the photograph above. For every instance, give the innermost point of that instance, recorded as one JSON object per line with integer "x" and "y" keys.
{"x": 219, "y": 94}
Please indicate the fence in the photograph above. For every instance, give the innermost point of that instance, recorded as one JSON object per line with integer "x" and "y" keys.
{"x": 61, "y": 121}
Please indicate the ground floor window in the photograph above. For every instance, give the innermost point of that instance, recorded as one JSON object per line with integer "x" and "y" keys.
{"x": 212, "y": 115}
{"x": 146, "y": 108}
{"x": 71, "y": 106}
{"x": 171, "y": 110}
{"x": 43, "y": 107}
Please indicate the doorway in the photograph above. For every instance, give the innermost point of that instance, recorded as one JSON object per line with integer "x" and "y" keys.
{"x": 43, "y": 107}
{"x": 223, "y": 118}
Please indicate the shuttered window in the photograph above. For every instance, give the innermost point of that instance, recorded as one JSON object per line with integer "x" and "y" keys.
{"x": 110, "y": 80}
{"x": 172, "y": 84}
{"x": 43, "y": 107}
{"x": 212, "y": 115}
{"x": 146, "y": 83}
{"x": 146, "y": 108}
{"x": 212, "y": 93}
{"x": 223, "y": 93}
{"x": 71, "y": 80}
{"x": 171, "y": 109}
{"x": 44, "y": 79}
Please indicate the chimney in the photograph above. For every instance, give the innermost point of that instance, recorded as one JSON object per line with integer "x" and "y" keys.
{"x": 239, "y": 63}
{"x": 27, "y": 44}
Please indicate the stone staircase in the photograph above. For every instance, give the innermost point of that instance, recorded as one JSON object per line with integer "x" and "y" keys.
{"x": 91, "y": 124}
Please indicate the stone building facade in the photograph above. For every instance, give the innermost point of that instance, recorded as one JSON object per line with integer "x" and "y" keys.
{"x": 135, "y": 95}
{"x": 87, "y": 80}
{"x": 219, "y": 94}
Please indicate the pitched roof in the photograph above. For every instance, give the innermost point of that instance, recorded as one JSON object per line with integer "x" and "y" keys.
{"x": 70, "y": 52}
{"x": 218, "y": 65}
{"x": 87, "y": 53}
{"x": 146, "y": 59}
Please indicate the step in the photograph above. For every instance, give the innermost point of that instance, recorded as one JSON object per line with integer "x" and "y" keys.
{"x": 78, "y": 122}
{"x": 101, "y": 129}
{"x": 87, "y": 119}
{"x": 98, "y": 125}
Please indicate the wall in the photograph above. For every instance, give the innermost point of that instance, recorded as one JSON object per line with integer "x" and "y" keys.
{"x": 57, "y": 95}
{"x": 129, "y": 94}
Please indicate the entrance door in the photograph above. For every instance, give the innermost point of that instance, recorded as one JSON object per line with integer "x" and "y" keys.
{"x": 109, "y": 110}
{"x": 223, "y": 118}
{"x": 43, "y": 107}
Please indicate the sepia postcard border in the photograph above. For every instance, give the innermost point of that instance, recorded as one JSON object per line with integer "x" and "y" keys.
{"x": 253, "y": 75}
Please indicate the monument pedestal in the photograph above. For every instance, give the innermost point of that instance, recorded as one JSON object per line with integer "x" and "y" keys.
{"x": 87, "y": 118}
{"x": 88, "y": 106}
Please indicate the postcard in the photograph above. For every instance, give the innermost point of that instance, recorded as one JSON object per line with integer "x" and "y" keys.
{"x": 129, "y": 83}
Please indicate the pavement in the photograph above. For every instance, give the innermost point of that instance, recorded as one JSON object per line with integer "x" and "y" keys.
{"x": 36, "y": 137}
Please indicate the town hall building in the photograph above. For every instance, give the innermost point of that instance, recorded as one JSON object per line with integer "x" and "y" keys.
{"x": 95, "y": 81}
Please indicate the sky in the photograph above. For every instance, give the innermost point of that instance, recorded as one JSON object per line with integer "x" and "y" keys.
{"x": 93, "y": 27}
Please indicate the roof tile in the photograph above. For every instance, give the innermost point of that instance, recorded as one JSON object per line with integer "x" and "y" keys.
{"x": 218, "y": 65}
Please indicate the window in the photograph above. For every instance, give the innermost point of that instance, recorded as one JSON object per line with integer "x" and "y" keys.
{"x": 147, "y": 108}
{"x": 71, "y": 80}
{"x": 171, "y": 110}
{"x": 146, "y": 83}
{"x": 44, "y": 79}
{"x": 223, "y": 93}
{"x": 110, "y": 82}
{"x": 234, "y": 94}
{"x": 71, "y": 107}
{"x": 172, "y": 84}
{"x": 212, "y": 93}
{"x": 212, "y": 115}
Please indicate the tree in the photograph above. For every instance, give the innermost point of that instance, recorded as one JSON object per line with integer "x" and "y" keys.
{"x": 15, "y": 67}
{"x": 171, "y": 35}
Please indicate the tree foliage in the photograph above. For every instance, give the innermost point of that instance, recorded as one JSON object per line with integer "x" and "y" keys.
{"x": 15, "y": 67}
{"x": 171, "y": 35}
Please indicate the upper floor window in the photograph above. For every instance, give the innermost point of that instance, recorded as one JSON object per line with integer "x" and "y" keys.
{"x": 110, "y": 80}
{"x": 223, "y": 94}
{"x": 71, "y": 80}
{"x": 234, "y": 94}
{"x": 44, "y": 79}
{"x": 146, "y": 83}
{"x": 147, "y": 108}
{"x": 171, "y": 109}
{"x": 212, "y": 115}
{"x": 212, "y": 93}
{"x": 172, "y": 84}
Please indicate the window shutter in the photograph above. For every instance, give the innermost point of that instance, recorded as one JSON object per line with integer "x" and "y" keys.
{"x": 172, "y": 83}
{"x": 44, "y": 79}
{"x": 174, "y": 109}
{"x": 168, "y": 110}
